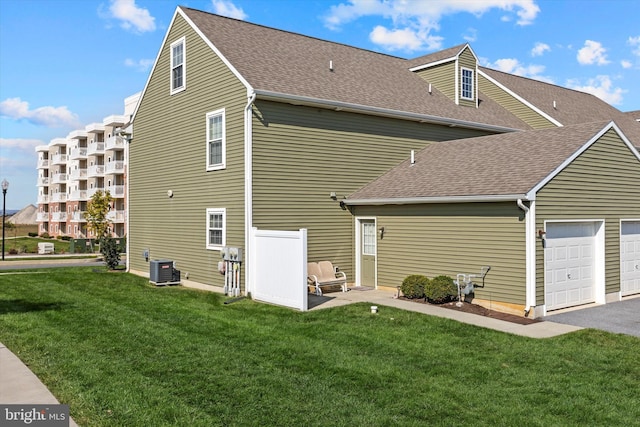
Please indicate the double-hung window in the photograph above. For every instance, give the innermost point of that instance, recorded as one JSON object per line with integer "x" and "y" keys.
{"x": 178, "y": 66}
{"x": 216, "y": 228}
{"x": 467, "y": 84}
{"x": 216, "y": 151}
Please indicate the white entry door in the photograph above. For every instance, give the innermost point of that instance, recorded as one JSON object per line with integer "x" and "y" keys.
{"x": 630, "y": 257}
{"x": 569, "y": 264}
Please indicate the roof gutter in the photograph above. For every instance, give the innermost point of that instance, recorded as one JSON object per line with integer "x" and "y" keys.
{"x": 376, "y": 111}
{"x": 448, "y": 199}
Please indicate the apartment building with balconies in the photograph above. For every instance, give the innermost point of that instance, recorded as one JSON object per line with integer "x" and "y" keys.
{"x": 72, "y": 169}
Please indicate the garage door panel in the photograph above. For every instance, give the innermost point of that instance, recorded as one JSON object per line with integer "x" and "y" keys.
{"x": 630, "y": 258}
{"x": 569, "y": 265}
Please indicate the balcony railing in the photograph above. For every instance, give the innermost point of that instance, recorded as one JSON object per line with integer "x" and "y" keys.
{"x": 58, "y": 197}
{"x": 114, "y": 143}
{"x": 43, "y": 198}
{"x": 117, "y": 217}
{"x": 78, "y": 195}
{"x": 78, "y": 216}
{"x": 43, "y": 164}
{"x": 95, "y": 148}
{"x": 115, "y": 167}
{"x": 78, "y": 174}
{"x": 58, "y": 216}
{"x": 95, "y": 170}
{"x": 59, "y": 178}
{"x": 59, "y": 159}
{"x": 43, "y": 181}
{"x": 42, "y": 217}
{"x": 78, "y": 153}
{"x": 116, "y": 191}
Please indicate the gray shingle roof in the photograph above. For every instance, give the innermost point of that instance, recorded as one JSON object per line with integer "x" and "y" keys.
{"x": 288, "y": 63}
{"x": 572, "y": 106}
{"x": 504, "y": 164}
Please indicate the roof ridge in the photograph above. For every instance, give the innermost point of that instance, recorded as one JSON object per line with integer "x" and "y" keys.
{"x": 293, "y": 33}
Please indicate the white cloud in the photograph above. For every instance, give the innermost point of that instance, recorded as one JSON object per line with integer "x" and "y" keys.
{"x": 17, "y": 109}
{"x": 131, "y": 16}
{"x": 27, "y": 145}
{"x": 540, "y": 48}
{"x": 634, "y": 42}
{"x": 626, "y": 64}
{"x": 471, "y": 35}
{"x": 228, "y": 9}
{"x": 592, "y": 53}
{"x": 142, "y": 65}
{"x": 600, "y": 86}
{"x": 405, "y": 39}
{"x": 513, "y": 66}
{"x": 416, "y": 20}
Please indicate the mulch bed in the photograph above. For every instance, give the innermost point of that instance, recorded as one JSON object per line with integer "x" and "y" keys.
{"x": 479, "y": 310}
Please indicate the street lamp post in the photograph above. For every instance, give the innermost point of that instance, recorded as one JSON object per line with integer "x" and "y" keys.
{"x": 5, "y": 186}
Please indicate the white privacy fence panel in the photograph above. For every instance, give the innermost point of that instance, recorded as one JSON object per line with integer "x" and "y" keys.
{"x": 278, "y": 266}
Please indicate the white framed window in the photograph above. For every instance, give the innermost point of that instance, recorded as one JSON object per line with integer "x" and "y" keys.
{"x": 466, "y": 89}
{"x": 216, "y": 136}
{"x": 368, "y": 238}
{"x": 216, "y": 228}
{"x": 178, "y": 66}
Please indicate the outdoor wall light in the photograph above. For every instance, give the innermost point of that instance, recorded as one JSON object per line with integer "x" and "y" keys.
{"x": 381, "y": 232}
{"x": 170, "y": 193}
{"x": 333, "y": 195}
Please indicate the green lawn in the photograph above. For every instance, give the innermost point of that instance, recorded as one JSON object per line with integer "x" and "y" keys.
{"x": 123, "y": 353}
{"x": 30, "y": 245}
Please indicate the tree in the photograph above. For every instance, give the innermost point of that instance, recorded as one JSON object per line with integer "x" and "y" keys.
{"x": 98, "y": 222}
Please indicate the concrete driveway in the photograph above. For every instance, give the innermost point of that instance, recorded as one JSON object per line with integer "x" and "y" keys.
{"x": 622, "y": 317}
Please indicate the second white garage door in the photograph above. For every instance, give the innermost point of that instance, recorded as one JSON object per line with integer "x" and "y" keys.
{"x": 569, "y": 264}
{"x": 630, "y": 257}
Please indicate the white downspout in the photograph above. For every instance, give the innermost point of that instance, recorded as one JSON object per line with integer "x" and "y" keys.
{"x": 530, "y": 254}
{"x": 248, "y": 190}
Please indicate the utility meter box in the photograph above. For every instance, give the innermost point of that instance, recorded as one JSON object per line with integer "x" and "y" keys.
{"x": 231, "y": 254}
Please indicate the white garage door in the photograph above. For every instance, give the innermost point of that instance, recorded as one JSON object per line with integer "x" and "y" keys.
{"x": 630, "y": 257}
{"x": 569, "y": 264}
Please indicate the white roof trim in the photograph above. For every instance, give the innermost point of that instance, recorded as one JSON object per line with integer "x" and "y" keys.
{"x": 445, "y": 60}
{"x": 568, "y": 161}
{"x": 375, "y": 111}
{"x": 446, "y": 199}
{"x": 519, "y": 98}
{"x": 205, "y": 39}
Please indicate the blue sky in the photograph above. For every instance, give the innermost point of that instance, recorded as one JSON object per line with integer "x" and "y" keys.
{"x": 67, "y": 63}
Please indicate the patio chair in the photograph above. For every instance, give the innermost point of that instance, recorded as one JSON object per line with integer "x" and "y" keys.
{"x": 323, "y": 273}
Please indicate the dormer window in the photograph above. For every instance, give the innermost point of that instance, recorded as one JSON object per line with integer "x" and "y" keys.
{"x": 466, "y": 88}
{"x": 178, "y": 72}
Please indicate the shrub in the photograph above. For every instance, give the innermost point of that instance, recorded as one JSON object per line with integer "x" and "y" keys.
{"x": 413, "y": 286}
{"x": 45, "y": 235}
{"x": 32, "y": 234}
{"x": 65, "y": 238}
{"x": 441, "y": 289}
{"x": 13, "y": 251}
{"x": 109, "y": 250}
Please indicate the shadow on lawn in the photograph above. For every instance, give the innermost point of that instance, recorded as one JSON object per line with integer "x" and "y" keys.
{"x": 24, "y": 306}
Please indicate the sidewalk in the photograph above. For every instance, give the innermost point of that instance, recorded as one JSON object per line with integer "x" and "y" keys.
{"x": 18, "y": 385}
{"x": 384, "y": 298}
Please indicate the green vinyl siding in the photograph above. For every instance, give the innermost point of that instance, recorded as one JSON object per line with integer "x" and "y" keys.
{"x": 467, "y": 60}
{"x": 442, "y": 77}
{"x": 513, "y": 105}
{"x": 603, "y": 183}
{"x": 302, "y": 154}
{"x": 168, "y": 152}
{"x": 435, "y": 239}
